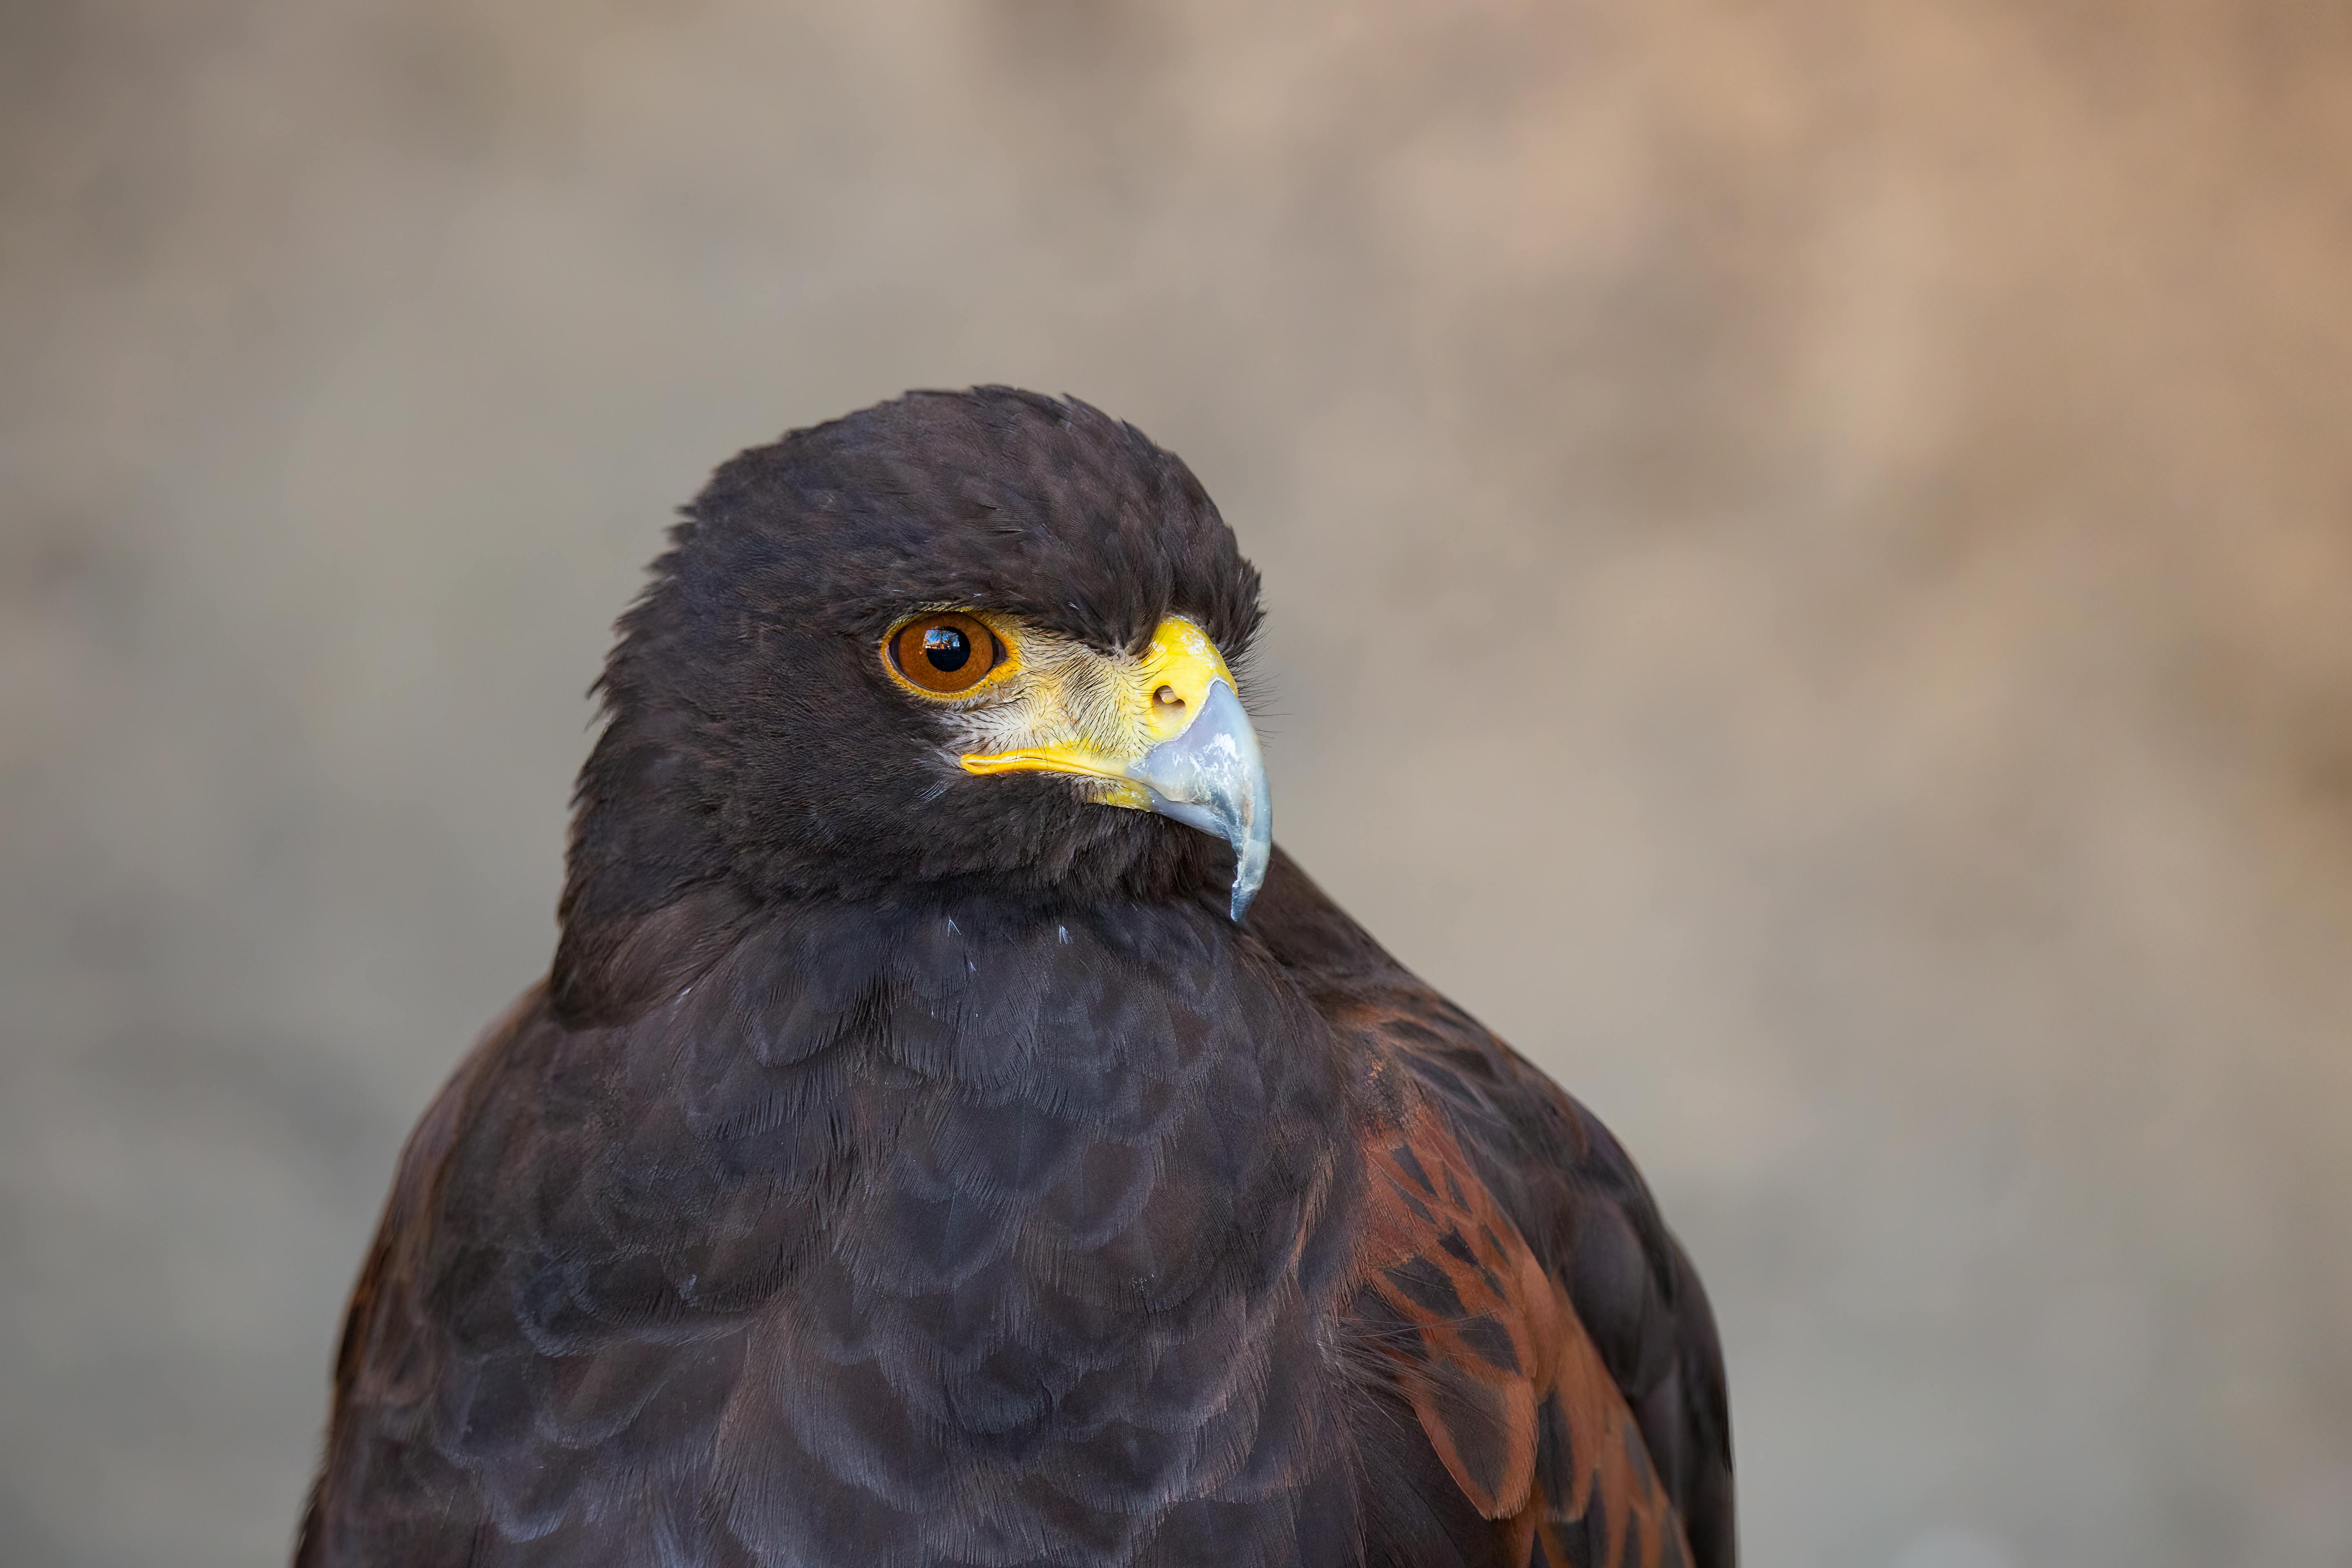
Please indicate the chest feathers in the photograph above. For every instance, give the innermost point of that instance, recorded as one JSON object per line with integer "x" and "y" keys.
{"x": 974, "y": 1238}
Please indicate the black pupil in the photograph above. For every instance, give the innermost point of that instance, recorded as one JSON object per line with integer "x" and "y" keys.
{"x": 946, "y": 648}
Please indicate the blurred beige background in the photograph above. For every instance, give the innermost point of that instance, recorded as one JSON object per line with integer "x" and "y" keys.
{"x": 1809, "y": 547}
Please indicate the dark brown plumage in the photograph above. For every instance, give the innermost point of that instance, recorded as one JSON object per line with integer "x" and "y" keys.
{"x": 905, "y": 1165}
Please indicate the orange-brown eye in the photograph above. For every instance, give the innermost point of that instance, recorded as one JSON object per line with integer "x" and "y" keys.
{"x": 946, "y": 654}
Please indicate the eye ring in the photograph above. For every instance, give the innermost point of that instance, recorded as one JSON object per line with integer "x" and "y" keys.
{"x": 944, "y": 654}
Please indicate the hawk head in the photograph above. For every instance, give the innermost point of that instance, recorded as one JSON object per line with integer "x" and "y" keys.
{"x": 976, "y": 638}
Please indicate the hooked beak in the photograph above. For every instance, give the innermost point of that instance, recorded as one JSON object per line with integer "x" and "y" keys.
{"x": 1175, "y": 740}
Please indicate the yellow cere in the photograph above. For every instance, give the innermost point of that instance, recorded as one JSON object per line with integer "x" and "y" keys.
{"x": 1101, "y": 719}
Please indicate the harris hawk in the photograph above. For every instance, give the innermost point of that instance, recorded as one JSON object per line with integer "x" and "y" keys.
{"x": 951, "y": 1133}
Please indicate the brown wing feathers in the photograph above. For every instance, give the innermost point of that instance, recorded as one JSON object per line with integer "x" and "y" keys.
{"x": 1507, "y": 1385}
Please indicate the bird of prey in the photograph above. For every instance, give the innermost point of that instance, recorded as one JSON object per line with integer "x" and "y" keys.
{"x": 951, "y": 1134}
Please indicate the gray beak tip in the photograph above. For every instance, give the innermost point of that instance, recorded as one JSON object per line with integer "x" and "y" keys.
{"x": 1212, "y": 777}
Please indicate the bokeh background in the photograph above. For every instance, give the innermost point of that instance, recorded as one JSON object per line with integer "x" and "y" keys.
{"x": 1809, "y": 552}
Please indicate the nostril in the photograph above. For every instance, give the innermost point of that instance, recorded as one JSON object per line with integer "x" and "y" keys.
{"x": 1166, "y": 698}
